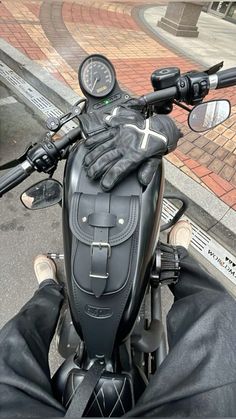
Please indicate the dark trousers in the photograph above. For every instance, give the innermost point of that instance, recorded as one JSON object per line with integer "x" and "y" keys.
{"x": 197, "y": 378}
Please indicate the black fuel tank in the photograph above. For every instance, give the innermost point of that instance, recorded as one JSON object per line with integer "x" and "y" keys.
{"x": 100, "y": 320}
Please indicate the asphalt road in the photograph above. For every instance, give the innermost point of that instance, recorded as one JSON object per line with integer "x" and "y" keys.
{"x": 24, "y": 234}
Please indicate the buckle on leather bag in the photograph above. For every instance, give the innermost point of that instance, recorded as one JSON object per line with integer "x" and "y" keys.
{"x": 100, "y": 245}
{"x": 99, "y": 276}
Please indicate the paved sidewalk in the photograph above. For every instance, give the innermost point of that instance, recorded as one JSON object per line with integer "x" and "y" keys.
{"x": 215, "y": 42}
{"x": 59, "y": 34}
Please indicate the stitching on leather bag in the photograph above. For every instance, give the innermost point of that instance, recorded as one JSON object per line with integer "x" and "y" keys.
{"x": 117, "y": 239}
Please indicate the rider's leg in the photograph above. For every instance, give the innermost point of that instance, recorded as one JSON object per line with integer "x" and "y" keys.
{"x": 198, "y": 376}
{"x": 25, "y": 389}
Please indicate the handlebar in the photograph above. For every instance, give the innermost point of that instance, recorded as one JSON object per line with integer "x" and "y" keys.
{"x": 159, "y": 96}
{"x": 15, "y": 176}
{"x": 70, "y": 138}
{"x": 190, "y": 88}
{"x": 42, "y": 157}
{"x": 226, "y": 78}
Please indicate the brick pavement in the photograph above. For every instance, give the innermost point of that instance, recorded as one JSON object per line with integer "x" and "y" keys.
{"x": 59, "y": 34}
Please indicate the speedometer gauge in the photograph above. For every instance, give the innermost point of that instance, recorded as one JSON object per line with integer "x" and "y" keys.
{"x": 97, "y": 76}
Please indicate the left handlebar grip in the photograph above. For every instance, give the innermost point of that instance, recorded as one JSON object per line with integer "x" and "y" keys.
{"x": 15, "y": 176}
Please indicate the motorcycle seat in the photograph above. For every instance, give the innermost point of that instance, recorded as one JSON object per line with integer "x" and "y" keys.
{"x": 113, "y": 395}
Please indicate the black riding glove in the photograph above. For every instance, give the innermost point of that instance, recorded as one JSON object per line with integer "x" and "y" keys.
{"x": 95, "y": 124}
{"x": 128, "y": 141}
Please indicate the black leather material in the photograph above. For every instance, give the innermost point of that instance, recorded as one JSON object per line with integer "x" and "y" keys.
{"x": 101, "y": 321}
{"x": 133, "y": 141}
{"x": 100, "y": 249}
{"x": 93, "y": 124}
{"x": 147, "y": 170}
{"x": 112, "y": 397}
{"x": 102, "y": 219}
{"x": 103, "y": 250}
{"x": 121, "y": 140}
{"x": 83, "y": 391}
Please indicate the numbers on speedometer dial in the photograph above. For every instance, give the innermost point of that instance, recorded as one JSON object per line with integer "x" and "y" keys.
{"x": 97, "y": 76}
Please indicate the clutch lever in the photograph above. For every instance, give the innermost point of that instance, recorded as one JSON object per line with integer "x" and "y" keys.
{"x": 19, "y": 160}
{"x": 214, "y": 69}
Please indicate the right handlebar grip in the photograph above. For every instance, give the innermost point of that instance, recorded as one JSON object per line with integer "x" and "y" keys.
{"x": 226, "y": 78}
{"x": 15, "y": 176}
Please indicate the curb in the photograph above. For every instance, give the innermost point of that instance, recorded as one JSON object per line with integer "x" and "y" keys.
{"x": 209, "y": 212}
{"x": 54, "y": 90}
{"x": 213, "y": 215}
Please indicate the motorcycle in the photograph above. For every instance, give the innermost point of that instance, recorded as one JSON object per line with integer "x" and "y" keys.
{"x": 110, "y": 331}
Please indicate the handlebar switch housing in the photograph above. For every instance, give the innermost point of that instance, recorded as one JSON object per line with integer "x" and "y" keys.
{"x": 198, "y": 87}
{"x": 44, "y": 156}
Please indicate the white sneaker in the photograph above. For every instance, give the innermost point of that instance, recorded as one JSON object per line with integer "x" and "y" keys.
{"x": 44, "y": 268}
{"x": 180, "y": 234}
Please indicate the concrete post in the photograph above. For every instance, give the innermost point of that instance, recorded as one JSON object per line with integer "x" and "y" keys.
{"x": 181, "y": 19}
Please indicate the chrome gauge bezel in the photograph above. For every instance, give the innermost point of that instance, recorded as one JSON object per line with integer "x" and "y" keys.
{"x": 85, "y": 67}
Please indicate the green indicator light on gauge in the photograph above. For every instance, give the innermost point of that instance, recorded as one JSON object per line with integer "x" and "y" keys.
{"x": 106, "y": 102}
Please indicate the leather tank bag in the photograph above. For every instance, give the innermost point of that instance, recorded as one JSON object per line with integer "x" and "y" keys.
{"x": 104, "y": 230}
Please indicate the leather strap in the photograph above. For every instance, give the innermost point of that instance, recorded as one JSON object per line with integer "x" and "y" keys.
{"x": 100, "y": 248}
{"x": 102, "y": 219}
{"x": 84, "y": 391}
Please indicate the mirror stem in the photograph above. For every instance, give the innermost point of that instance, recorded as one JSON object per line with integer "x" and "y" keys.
{"x": 186, "y": 108}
